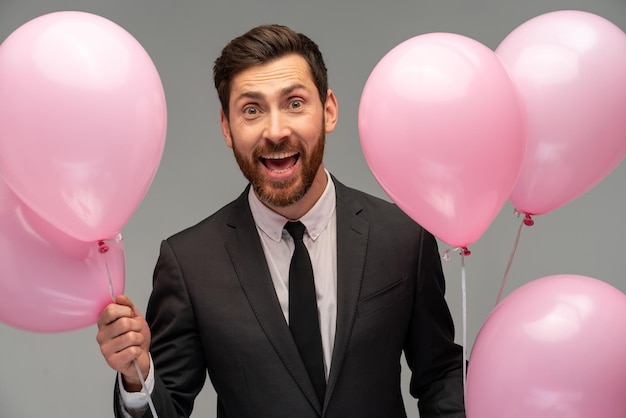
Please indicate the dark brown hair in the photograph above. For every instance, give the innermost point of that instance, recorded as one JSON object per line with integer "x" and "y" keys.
{"x": 261, "y": 45}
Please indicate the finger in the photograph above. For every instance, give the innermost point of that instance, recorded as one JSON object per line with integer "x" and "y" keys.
{"x": 136, "y": 311}
{"x": 112, "y": 312}
{"x": 125, "y": 325}
{"x": 126, "y": 301}
{"x": 120, "y": 343}
{"x": 120, "y": 327}
{"x": 121, "y": 360}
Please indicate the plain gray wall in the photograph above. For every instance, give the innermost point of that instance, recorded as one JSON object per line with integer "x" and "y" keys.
{"x": 64, "y": 375}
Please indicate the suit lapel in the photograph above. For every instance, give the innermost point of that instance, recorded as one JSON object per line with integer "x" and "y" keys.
{"x": 352, "y": 236}
{"x": 246, "y": 254}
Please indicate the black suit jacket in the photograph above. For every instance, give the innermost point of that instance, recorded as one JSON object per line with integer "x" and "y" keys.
{"x": 214, "y": 308}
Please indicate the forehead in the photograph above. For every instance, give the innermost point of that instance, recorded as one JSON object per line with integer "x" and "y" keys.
{"x": 272, "y": 76}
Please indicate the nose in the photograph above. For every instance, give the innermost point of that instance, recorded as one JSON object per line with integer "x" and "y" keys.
{"x": 277, "y": 127}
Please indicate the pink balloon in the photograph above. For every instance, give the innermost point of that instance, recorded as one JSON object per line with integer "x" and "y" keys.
{"x": 442, "y": 131}
{"x": 554, "y": 348}
{"x": 570, "y": 69}
{"x": 82, "y": 121}
{"x": 49, "y": 281}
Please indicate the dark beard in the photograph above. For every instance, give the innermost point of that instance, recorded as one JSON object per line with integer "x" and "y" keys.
{"x": 282, "y": 193}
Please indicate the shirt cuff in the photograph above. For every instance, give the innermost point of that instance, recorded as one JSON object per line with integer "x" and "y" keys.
{"x": 137, "y": 402}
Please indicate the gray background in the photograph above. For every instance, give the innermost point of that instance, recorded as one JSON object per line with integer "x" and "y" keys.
{"x": 64, "y": 375}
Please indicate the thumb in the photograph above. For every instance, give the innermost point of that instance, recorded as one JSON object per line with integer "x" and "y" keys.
{"x": 126, "y": 301}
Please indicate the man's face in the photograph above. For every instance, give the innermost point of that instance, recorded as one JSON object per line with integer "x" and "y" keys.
{"x": 276, "y": 128}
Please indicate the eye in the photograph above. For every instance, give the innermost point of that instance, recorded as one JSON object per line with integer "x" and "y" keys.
{"x": 250, "y": 111}
{"x": 296, "y": 104}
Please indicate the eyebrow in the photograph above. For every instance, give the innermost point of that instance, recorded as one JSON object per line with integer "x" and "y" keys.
{"x": 255, "y": 95}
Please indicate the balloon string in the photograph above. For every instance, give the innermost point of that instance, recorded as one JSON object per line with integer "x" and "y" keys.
{"x": 464, "y": 251}
{"x": 464, "y": 297}
{"x": 528, "y": 221}
{"x": 104, "y": 248}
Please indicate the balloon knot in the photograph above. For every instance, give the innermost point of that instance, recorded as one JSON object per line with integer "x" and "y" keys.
{"x": 528, "y": 220}
{"x": 464, "y": 251}
{"x": 102, "y": 247}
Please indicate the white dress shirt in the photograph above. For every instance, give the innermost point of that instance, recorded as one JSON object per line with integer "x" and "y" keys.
{"x": 321, "y": 242}
{"x": 278, "y": 246}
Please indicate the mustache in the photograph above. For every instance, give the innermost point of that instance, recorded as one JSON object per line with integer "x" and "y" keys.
{"x": 283, "y": 146}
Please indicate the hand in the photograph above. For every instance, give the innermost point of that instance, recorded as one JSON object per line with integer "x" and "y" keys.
{"x": 124, "y": 336}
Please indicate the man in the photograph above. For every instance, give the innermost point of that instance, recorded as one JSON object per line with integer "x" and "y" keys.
{"x": 221, "y": 296}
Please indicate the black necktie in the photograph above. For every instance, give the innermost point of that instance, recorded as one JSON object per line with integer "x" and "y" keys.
{"x": 303, "y": 318}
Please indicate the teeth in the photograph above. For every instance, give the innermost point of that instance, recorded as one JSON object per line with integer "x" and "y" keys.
{"x": 279, "y": 156}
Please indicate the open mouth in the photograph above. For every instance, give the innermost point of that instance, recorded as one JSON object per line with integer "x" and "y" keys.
{"x": 280, "y": 162}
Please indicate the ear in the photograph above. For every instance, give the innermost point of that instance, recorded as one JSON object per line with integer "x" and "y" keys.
{"x": 331, "y": 111}
{"x": 226, "y": 129}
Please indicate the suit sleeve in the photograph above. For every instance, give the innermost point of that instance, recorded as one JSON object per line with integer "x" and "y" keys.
{"x": 435, "y": 360}
{"x": 180, "y": 369}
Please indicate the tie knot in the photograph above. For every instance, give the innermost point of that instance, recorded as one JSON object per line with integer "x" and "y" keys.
{"x": 296, "y": 230}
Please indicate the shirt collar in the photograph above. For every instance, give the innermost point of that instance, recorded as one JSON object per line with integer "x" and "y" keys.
{"x": 316, "y": 220}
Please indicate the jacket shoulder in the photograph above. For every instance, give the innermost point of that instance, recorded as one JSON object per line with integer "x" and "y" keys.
{"x": 373, "y": 208}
